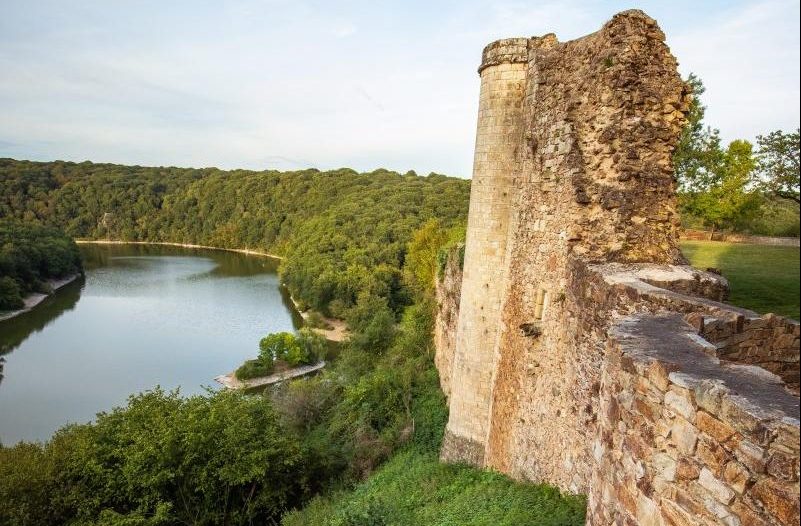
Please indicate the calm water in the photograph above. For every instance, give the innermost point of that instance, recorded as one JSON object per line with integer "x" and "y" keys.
{"x": 144, "y": 316}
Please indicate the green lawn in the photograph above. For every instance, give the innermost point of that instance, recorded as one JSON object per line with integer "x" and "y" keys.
{"x": 414, "y": 488}
{"x": 763, "y": 278}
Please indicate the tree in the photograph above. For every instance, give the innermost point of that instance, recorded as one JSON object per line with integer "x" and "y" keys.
{"x": 221, "y": 458}
{"x": 698, "y": 152}
{"x": 421, "y": 264}
{"x": 778, "y": 164}
{"x": 726, "y": 198}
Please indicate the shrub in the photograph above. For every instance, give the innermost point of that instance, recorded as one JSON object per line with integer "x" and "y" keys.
{"x": 315, "y": 320}
{"x": 221, "y": 458}
{"x": 255, "y": 369}
{"x": 10, "y": 294}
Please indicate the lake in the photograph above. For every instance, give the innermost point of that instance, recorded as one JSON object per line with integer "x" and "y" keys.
{"x": 144, "y": 316}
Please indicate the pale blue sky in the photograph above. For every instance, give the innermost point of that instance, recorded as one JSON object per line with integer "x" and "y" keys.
{"x": 365, "y": 84}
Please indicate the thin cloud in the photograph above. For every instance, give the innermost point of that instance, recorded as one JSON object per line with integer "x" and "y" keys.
{"x": 290, "y": 84}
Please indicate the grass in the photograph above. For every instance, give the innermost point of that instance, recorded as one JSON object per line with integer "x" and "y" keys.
{"x": 414, "y": 488}
{"x": 762, "y": 278}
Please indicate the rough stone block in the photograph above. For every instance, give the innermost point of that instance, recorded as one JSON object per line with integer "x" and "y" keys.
{"x": 719, "y": 490}
{"x": 713, "y": 427}
{"x": 780, "y": 499}
{"x": 736, "y": 476}
{"x": 684, "y": 435}
{"x": 680, "y": 403}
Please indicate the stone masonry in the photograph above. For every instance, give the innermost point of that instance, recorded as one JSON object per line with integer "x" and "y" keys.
{"x": 587, "y": 354}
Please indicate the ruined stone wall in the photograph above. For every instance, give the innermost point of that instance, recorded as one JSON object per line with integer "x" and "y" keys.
{"x": 572, "y": 228}
{"x": 448, "y": 294}
{"x": 771, "y": 343}
{"x": 684, "y": 440}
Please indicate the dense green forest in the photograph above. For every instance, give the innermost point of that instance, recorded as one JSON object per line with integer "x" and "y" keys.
{"x": 233, "y": 458}
{"x": 343, "y": 234}
{"x": 30, "y": 255}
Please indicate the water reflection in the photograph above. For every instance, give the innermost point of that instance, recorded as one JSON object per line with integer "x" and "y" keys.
{"x": 145, "y": 316}
{"x": 15, "y": 331}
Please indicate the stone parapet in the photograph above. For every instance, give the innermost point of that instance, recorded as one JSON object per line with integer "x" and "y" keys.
{"x": 505, "y": 51}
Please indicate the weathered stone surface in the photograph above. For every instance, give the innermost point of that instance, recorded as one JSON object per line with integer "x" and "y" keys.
{"x": 722, "y": 492}
{"x": 736, "y": 476}
{"x": 684, "y": 435}
{"x": 713, "y": 427}
{"x": 780, "y": 499}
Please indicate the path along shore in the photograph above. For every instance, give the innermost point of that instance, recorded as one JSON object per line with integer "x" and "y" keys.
{"x": 170, "y": 244}
{"x": 32, "y": 300}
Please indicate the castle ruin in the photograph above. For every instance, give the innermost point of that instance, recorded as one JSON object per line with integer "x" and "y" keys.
{"x": 576, "y": 346}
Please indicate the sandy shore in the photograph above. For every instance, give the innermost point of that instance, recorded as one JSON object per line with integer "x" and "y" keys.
{"x": 35, "y": 299}
{"x": 182, "y": 245}
{"x": 338, "y": 332}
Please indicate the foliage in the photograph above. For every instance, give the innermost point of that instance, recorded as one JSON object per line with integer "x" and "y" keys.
{"x": 732, "y": 188}
{"x": 778, "y": 161}
{"x": 306, "y": 348}
{"x": 414, "y": 488}
{"x": 221, "y": 458}
{"x": 698, "y": 151}
{"x": 29, "y": 256}
{"x": 422, "y": 261}
{"x": 343, "y": 234}
{"x": 255, "y": 368}
{"x": 724, "y": 197}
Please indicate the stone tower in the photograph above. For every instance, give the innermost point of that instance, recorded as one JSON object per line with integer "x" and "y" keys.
{"x": 572, "y": 161}
{"x": 500, "y": 127}
{"x": 587, "y": 353}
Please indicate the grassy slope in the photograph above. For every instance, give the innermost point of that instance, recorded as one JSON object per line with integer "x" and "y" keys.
{"x": 413, "y": 488}
{"x": 763, "y": 278}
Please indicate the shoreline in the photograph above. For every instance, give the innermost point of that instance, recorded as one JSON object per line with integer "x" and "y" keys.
{"x": 230, "y": 381}
{"x": 32, "y": 300}
{"x": 339, "y": 331}
{"x": 246, "y": 251}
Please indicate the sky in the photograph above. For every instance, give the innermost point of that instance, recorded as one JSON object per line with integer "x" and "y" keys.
{"x": 294, "y": 84}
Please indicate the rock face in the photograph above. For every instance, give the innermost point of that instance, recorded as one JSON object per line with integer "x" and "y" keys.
{"x": 571, "y": 256}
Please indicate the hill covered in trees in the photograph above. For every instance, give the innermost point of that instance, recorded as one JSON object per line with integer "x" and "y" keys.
{"x": 30, "y": 255}
{"x": 345, "y": 238}
{"x": 342, "y": 234}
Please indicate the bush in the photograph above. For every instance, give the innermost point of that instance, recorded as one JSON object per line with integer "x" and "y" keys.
{"x": 10, "y": 294}
{"x": 222, "y": 458}
{"x": 254, "y": 369}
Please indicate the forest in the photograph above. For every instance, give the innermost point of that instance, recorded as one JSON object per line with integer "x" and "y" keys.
{"x": 358, "y": 246}
{"x": 342, "y": 234}
{"x": 30, "y": 255}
